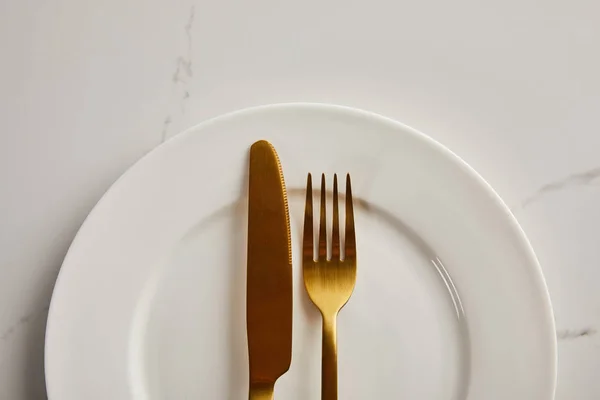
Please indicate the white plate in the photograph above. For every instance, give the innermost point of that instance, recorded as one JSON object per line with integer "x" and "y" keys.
{"x": 149, "y": 303}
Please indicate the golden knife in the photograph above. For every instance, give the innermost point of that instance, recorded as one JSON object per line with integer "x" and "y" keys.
{"x": 269, "y": 280}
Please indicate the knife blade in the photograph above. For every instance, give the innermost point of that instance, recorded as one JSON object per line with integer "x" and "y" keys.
{"x": 269, "y": 273}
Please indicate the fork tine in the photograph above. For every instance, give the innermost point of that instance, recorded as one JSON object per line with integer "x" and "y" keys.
{"x": 350, "y": 246}
{"x": 323, "y": 222}
{"x": 335, "y": 237}
{"x": 308, "y": 254}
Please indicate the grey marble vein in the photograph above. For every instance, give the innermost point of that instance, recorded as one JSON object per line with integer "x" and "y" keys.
{"x": 25, "y": 319}
{"x": 574, "y": 180}
{"x": 570, "y": 334}
{"x": 184, "y": 63}
{"x": 183, "y": 72}
{"x": 188, "y": 28}
{"x": 165, "y": 128}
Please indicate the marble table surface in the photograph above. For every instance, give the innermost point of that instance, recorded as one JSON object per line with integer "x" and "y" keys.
{"x": 88, "y": 87}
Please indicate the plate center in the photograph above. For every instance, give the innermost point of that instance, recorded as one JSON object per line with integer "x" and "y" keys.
{"x": 404, "y": 312}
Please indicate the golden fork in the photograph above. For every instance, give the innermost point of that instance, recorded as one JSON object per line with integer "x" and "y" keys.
{"x": 329, "y": 283}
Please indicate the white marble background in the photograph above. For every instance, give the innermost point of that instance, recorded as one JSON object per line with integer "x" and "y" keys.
{"x": 88, "y": 87}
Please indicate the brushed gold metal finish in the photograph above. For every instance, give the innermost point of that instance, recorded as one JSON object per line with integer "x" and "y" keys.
{"x": 329, "y": 283}
{"x": 269, "y": 268}
{"x": 261, "y": 392}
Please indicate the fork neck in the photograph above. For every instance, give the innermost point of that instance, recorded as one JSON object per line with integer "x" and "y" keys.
{"x": 329, "y": 375}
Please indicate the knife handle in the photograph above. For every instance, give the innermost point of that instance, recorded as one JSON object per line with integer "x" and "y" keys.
{"x": 329, "y": 378}
{"x": 261, "y": 391}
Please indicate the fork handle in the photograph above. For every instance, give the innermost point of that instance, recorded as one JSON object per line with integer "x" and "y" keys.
{"x": 329, "y": 378}
{"x": 261, "y": 392}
